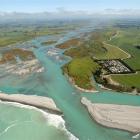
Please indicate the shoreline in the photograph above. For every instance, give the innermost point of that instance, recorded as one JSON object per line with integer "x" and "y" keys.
{"x": 79, "y": 88}
{"x": 40, "y": 102}
{"x": 52, "y": 119}
{"x": 85, "y": 90}
{"x": 115, "y": 88}
{"x": 123, "y": 117}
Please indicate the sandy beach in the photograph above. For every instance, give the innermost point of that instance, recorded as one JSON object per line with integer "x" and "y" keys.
{"x": 40, "y": 102}
{"x": 122, "y": 117}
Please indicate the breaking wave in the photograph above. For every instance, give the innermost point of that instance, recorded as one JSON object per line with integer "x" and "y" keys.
{"x": 52, "y": 119}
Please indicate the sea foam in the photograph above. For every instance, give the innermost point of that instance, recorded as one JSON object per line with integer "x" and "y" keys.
{"x": 52, "y": 119}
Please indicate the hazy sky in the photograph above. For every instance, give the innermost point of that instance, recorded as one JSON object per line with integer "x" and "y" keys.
{"x": 52, "y": 5}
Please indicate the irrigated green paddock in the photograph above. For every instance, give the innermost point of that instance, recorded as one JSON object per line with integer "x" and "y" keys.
{"x": 97, "y": 48}
{"x": 129, "y": 80}
{"x": 113, "y": 52}
{"x": 118, "y": 44}
{"x": 127, "y": 39}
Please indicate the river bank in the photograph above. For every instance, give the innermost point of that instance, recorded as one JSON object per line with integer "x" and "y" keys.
{"x": 54, "y": 84}
{"x": 71, "y": 80}
{"x": 122, "y": 117}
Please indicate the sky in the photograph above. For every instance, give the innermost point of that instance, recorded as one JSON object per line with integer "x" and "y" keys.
{"x": 71, "y": 5}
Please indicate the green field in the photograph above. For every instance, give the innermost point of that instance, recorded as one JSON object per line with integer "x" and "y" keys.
{"x": 112, "y": 52}
{"x": 130, "y": 80}
{"x": 81, "y": 70}
{"x": 115, "y": 44}
{"x": 11, "y": 35}
{"x": 12, "y": 40}
{"x": 112, "y": 43}
{"x": 97, "y": 48}
{"x": 127, "y": 39}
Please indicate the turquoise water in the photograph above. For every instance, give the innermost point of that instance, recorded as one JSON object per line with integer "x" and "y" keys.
{"x": 20, "y": 123}
{"x": 54, "y": 84}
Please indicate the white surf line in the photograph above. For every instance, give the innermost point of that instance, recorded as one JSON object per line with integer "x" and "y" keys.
{"x": 52, "y": 119}
{"x": 136, "y": 136}
{"x": 32, "y": 100}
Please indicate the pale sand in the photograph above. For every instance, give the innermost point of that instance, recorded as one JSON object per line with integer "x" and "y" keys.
{"x": 85, "y": 90}
{"x": 44, "y": 103}
{"x": 122, "y": 117}
{"x": 71, "y": 80}
{"x": 23, "y": 68}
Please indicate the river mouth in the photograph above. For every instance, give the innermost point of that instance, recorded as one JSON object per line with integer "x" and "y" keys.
{"x": 33, "y": 120}
{"x": 54, "y": 84}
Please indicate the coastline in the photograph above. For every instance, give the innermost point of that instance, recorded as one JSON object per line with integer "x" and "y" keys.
{"x": 123, "y": 117}
{"x": 40, "y": 102}
{"x": 52, "y": 119}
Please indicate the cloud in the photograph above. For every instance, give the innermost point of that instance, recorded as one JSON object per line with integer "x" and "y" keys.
{"x": 124, "y": 12}
{"x": 64, "y": 13}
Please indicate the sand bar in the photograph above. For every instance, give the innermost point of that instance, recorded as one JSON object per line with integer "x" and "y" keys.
{"x": 122, "y": 117}
{"x": 44, "y": 103}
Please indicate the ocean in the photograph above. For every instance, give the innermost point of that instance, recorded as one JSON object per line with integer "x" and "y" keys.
{"x": 27, "y": 123}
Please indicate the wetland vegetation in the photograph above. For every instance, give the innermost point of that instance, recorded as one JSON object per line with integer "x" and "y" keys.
{"x": 12, "y": 54}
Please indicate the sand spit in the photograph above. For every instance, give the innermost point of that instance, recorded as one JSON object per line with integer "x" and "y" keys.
{"x": 122, "y": 117}
{"x": 40, "y": 102}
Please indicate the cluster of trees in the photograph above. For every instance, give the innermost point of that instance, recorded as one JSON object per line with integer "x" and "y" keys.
{"x": 105, "y": 82}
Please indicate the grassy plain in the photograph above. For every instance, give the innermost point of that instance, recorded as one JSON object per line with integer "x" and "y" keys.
{"x": 11, "y": 34}
{"x": 129, "y": 80}
{"x": 127, "y": 39}
{"x": 118, "y": 44}
{"x": 97, "y": 48}
{"x": 112, "y": 52}
{"x": 81, "y": 70}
